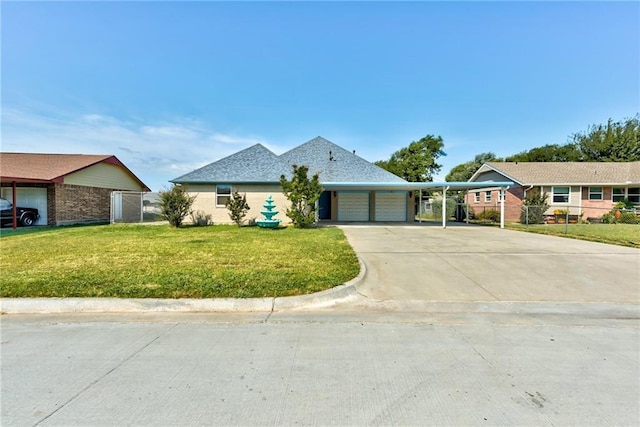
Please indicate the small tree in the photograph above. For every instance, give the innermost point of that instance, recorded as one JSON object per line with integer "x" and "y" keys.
{"x": 303, "y": 193}
{"x": 238, "y": 207}
{"x": 533, "y": 208}
{"x": 436, "y": 208}
{"x": 175, "y": 205}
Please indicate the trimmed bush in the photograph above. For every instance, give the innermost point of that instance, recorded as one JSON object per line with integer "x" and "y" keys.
{"x": 491, "y": 215}
{"x": 175, "y": 205}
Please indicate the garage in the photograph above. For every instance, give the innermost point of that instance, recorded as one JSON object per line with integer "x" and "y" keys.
{"x": 391, "y": 206}
{"x": 353, "y": 206}
{"x": 29, "y": 197}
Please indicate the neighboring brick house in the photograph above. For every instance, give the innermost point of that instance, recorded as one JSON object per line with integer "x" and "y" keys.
{"x": 65, "y": 188}
{"x": 583, "y": 188}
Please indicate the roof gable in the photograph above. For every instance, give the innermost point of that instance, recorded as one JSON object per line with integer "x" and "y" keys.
{"x": 578, "y": 173}
{"x": 257, "y": 164}
{"x": 253, "y": 164}
{"x": 47, "y": 168}
{"x": 335, "y": 164}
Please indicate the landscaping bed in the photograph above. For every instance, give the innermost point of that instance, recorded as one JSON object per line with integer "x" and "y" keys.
{"x": 157, "y": 261}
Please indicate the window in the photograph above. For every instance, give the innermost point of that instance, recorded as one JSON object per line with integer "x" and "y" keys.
{"x": 487, "y": 196}
{"x": 502, "y": 195}
{"x": 223, "y": 194}
{"x": 476, "y": 197}
{"x": 617, "y": 195}
{"x": 634, "y": 195}
{"x": 595, "y": 193}
{"x": 560, "y": 194}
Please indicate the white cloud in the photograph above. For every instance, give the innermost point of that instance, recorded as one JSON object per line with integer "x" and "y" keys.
{"x": 155, "y": 152}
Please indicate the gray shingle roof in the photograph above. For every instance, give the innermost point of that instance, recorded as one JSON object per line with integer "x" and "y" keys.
{"x": 335, "y": 164}
{"x": 253, "y": 164}
{"x": 257, "y": 164}
{"x": 578, "y": 173}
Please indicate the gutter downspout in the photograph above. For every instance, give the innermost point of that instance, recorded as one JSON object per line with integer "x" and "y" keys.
{"x": 524, "y": 194}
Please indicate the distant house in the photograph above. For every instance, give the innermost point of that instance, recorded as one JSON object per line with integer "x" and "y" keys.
{"x": 587, "y": 188}
{"x": 355, "y": 189}
{"x": 65, "y": 188}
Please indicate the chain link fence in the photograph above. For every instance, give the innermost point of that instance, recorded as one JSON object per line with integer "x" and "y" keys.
{"x": 527, "y": 215}
{"x": 126, "y": 207}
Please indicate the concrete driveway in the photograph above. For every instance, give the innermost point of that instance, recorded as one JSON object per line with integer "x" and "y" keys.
{"x": 477, "y": 264}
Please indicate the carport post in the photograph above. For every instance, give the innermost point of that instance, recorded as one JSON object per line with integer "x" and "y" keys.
{"x": 420, "y": 206}
{"x": 14, "y": 209}
{"x": 502, "y": 207}
{"x": 444, "y": 207}
{"x": 466, "y": 203}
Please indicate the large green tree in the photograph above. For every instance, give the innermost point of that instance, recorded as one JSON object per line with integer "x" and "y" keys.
{"x": 464, "y": 171}
{"x": 417, "y": 162}
{"x": 548, "y": 153}
{"x": 612, "y": 142}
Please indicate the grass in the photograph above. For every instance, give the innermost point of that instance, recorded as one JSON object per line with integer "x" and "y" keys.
{"x": 157, "y": 261}
{"x": 616, "y": 234}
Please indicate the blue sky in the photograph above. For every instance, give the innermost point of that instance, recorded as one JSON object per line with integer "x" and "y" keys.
{"x": 171, "y": 86}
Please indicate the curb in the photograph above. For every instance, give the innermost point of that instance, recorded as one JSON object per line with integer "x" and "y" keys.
{"x": 325, "y": 298}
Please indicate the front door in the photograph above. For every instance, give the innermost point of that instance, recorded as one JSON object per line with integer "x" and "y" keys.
{"x": 324, "y": 205}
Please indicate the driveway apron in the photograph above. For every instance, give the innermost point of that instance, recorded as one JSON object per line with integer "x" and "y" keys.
{"x": 477, "y": 264}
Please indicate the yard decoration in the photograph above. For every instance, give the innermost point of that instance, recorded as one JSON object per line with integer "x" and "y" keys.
{"x": 268, "y": 214}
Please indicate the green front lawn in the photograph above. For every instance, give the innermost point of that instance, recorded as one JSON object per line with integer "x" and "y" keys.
{"x": 616, "y": 234}
{"x": 157, "y": 261}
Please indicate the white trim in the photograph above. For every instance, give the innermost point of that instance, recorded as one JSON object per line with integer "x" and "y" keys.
{"x": 218, "y": 194}
{"x": 601, "y": 199}
{"x": 553, "y": 195}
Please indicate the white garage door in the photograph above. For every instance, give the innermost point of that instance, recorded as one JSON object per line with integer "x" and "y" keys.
{"x": 27, "y": 197}
{"x": 391, "y": 206}
{"x": 353, "y": 206}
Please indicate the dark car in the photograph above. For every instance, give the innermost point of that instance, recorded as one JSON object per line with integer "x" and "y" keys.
{"x": 25, "y": 216}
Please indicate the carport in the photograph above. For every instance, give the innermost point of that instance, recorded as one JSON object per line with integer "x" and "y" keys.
{"x": 354, "y": 192}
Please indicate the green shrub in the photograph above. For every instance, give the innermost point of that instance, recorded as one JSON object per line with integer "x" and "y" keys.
{"x": 491, "y": 215}
{"x": 533, "y": 208}
{"x": 175, "y": 205}
{"x": 607, "y": 218}
{"x": 303, "y": 193}
{"x": 238, "y": 207}
{"x": 628, "y": 218}
{"x": 200, "y": 219}
{"x": 436, "y": 207}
